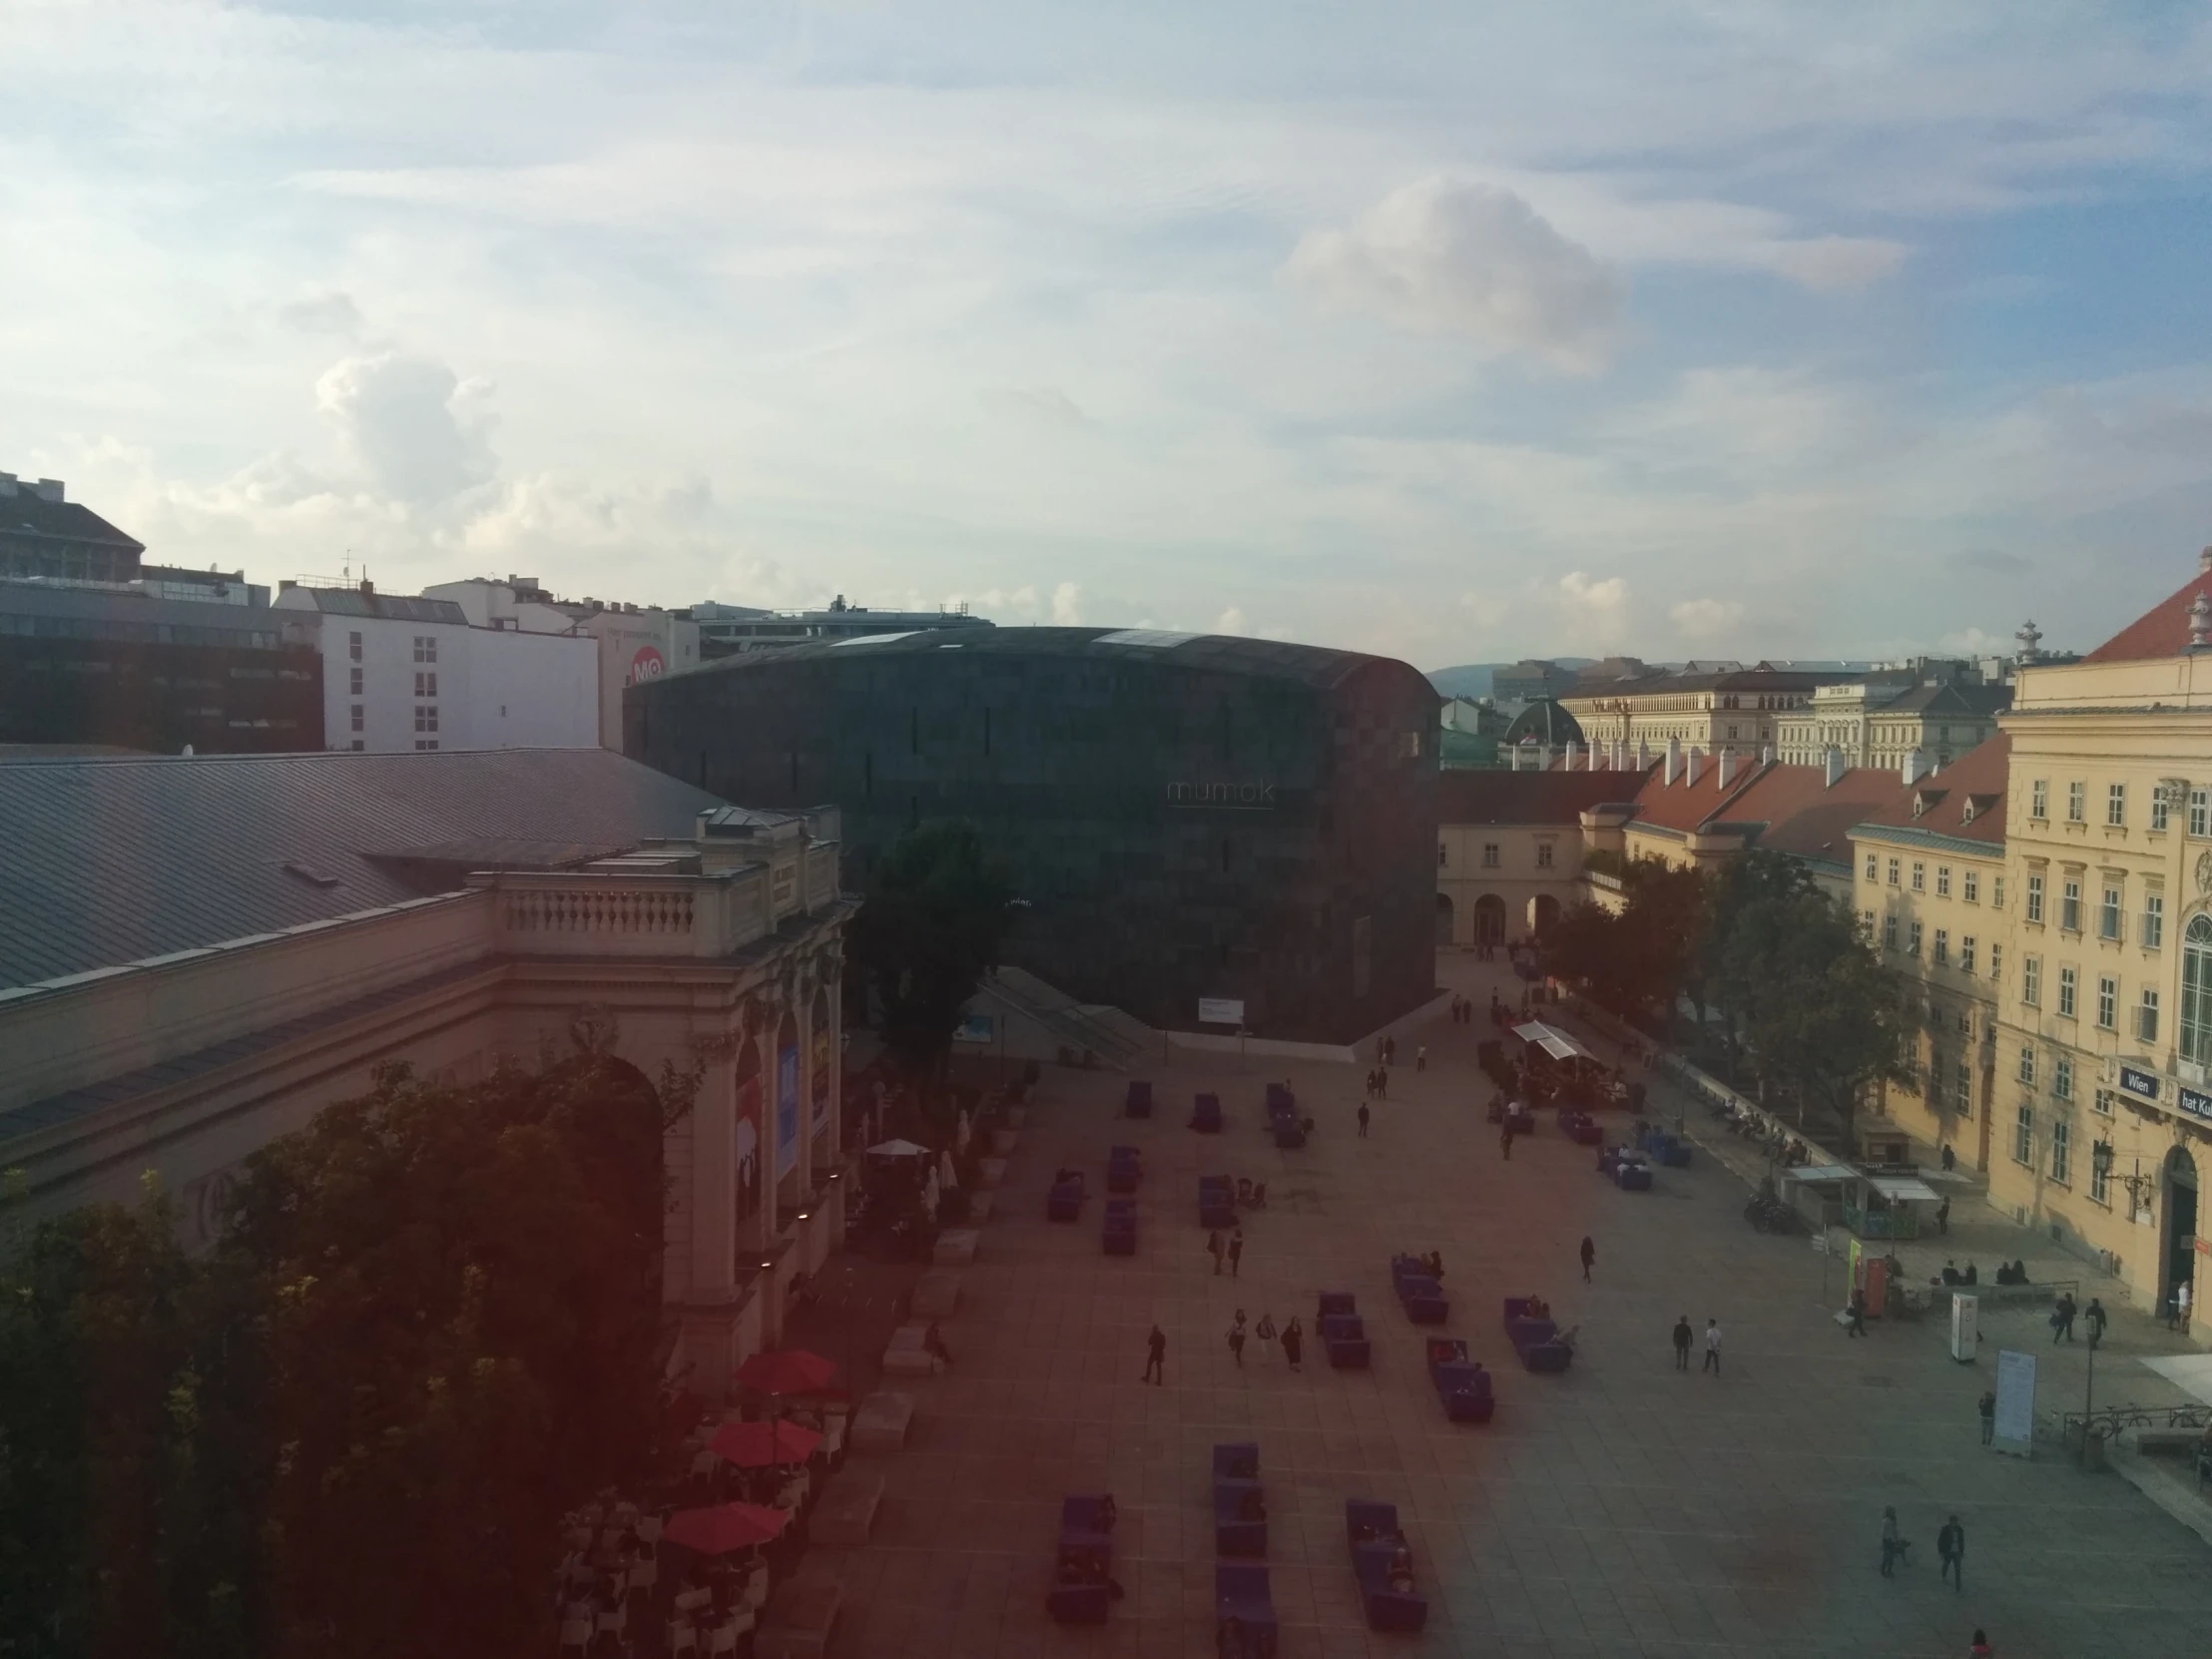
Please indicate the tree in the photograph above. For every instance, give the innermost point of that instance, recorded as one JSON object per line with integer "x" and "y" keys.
{"x": 1716, "y": 972}
{"x": 1634, "y": 962}
{"x": 1820, "y": 1011}
{"x": 936, "y": 915}
{"x": 431, "y": 1324}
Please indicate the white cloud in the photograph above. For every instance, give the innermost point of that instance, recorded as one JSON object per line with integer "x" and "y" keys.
{"x": 409, "y": 425}
{"x": 1833, "y": 264}
{"x": 1046, "y": 406}
{"x": 1231, "y": 621}
{"x": 1607, "y": 598}
{"x": 1067, "y": 605}
{"x": 322, "y": 312}
{"x": 1704, "y": 619}
{"x": 1474, "y": 259}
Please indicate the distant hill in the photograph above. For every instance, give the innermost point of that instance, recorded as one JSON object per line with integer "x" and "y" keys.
{"x": 1473, "y": 678}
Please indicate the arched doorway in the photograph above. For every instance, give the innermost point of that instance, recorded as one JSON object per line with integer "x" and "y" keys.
{"x": 620, "y": 1121}
{"x": 2178, "y": 1237}
{"x": 1489, "y": 919}
{"x": 818, "y": 1065}
{"x": 1443, "y": 918}
{"x": 787, "y": 1112}
{"x": 1543, "y": 911}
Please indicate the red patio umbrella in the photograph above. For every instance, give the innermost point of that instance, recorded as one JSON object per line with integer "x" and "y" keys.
{"x": 752, "y": 1446}
{"x": 725, "y": 1527}
{"x": 787, "y": 1371}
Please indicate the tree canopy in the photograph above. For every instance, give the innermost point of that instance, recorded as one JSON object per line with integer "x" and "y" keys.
{"x": 936, "y": 912}
{"x": 430, "y": 1324}
{"x": 1635, "y": 961}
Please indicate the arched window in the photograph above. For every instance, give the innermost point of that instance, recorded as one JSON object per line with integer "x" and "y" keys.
{"x": 2196, "y": 991}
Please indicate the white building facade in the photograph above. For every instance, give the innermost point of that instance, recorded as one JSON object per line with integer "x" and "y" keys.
{"x": 403, "y": 673}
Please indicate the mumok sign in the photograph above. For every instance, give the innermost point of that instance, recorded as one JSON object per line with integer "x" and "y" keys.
{"x": 1250, "y": 798}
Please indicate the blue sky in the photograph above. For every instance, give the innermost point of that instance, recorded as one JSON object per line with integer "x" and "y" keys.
{"x": 1452, "y": 332}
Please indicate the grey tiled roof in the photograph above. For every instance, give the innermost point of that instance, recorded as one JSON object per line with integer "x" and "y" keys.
{"x": 105, "y": 860}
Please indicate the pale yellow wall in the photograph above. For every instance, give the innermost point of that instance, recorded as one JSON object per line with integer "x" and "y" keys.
{"x": 1964, "y": 1004}
{"x": 1519, "y": 876}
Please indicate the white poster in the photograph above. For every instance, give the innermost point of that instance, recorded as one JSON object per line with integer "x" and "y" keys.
{"x": 2015, "y": 1423}
{"x": 1220, "y": 1010}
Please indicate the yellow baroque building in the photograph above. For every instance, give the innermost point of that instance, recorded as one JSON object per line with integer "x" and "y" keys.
{"x": 2100, "y": 1120}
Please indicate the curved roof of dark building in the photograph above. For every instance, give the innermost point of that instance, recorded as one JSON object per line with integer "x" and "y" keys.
{"x": 1547, "y": 722}
{"x": 1311, "y": 665}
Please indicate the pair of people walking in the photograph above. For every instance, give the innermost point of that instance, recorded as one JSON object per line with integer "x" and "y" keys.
{"x": 1950, "y": 1547}
{"x": 1293, "y": 1336}
{"x": 1683, "y": 1337}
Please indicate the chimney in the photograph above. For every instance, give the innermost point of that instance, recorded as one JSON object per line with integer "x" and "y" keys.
{"x": 1832, "y": 769}
{"x": 1643, "y": 754}
{"x": 2200, "y": 622}
{"x": 2204, "y": 559}
{"x": 1692, "y": 761}
{"x": 7, "y": 485}
{"x": 1674, "y": 760}
{"x": 49, "y": 489}
{"x": 1570, "y": 754}
{"x": 1728, "y": 769}
{"x": 368, "y": 588}
{"x": 1916, "y": 764}
{"x": 284, "y": 584}
{"x": 1766, "y": 755}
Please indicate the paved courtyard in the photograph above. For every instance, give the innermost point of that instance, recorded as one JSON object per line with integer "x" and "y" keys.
{"x": 1623, "y": 1508}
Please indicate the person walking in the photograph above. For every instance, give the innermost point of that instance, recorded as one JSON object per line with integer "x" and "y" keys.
{"x": 1950, "y": 1544}
{"x": 1236, "y": 1252}
{"x": 1156, "y": 1360}
{"x": 1294, "y": 1337}
{"x": 2094, "y": 1317}
{"x": 1858, "y": 1325}
{"x": 932, "y": 1344}
{"x": 1264, "y": 1330}
{"x": 1942, "y": 1210}
{"x": 2181, "y": 1304}
{"x": 1988, "y": 1407}
{"x": 1713, "y": 1347}
{"x": 1589, "y": 1256}
{"x": 1363, "y": 1116}
{"x": 1215, "y": 1248}
{"x": 1237, "y": 1339}
{"x": 1421, "y": 1058}
{"x": 1682, "y": 1336}
{"x": 2062, "y": 1318}
{"x": 1981, "y": 1648}
{"x": 1505, "y": 1142}
{"x": 1891, "y": 1545}
{"x": 1382, "y": 1083}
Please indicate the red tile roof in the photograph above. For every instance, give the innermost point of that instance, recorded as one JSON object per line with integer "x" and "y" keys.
{"x": 1498, "y": 797}
{"x": 1976, "y": 779}
{"x": 2161, "y": 631}
{"x": 1798, "y": 811}
{"x": 1683, "y": 804}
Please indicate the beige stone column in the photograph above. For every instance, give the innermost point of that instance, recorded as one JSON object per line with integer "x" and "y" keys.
{"x": 708, "y": 1306}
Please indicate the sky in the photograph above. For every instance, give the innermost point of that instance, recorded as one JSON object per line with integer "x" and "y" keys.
{"x": 1454, "y": 332}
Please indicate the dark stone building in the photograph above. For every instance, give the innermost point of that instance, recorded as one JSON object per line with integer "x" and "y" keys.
{"x": 1187, "y": 816}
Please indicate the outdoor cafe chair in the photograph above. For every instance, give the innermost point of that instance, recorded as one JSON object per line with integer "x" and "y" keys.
{"x": 683, "y": 1637}
{"x": 575, "y": 1637}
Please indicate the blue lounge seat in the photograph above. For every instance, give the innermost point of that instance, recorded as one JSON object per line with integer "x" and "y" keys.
{"x": 1240, "y": 1593}
{"x": 1078, "y": 1604}
{"x": 1064, "y": 1202}
{"x": 1233, "y": 1534}
{"x": 1633, "y": 1177}
{"x": 1463, "y": 1387}
{"x": 1237, "y": 1461}
{"x": 1217, "y": 1203}
{"x": 1288, "y": 1133}
{"x": 1372, "y": 1537}
{"x": 1335, "y": 1302}
{"x": 1137, "y": 1102}
{"x": 1422, "y": 1299}
{"x": 1080, "y": 1518}
{"x": 1345, "y": 1338}
{"x": 1086, "y": 1545}
{"x": 1119, "y": 1234}
{"x": 1205, "y": 1114}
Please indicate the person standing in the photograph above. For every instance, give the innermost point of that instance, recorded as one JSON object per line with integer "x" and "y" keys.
{"x": 1213, "y": 1248}
{"x": 1950, "y": 1544}
{"x": 2181, "y": 1304}
{"x": 1421, "y": 1058}
{"x": 1713, "y": 1347}
{"x": 1891, "y": 1545}
{"x": 1294, "y": 1337}
{"x": 1382, "y": 1084}
{"x": 2094, "y": 1317}
{"x": 1858, "y": 1325}
{"x": 1364, "y": 1115}
{"x": 1589, "y": 1256}
{"x": 1264, "y": 1330}
{"x": 1236, "y": 1252}
{"x": 1156, "y": 1360}
{"x": 1981, "y": 1648}
{"x": 1505, "y": 1142}
{"x": 1988, "y": 1409}
{"x": 1237, "y": 1339}
{"x": 1682, "y": 1336}
{"x": 2061, "y": 1319}
{"x": 1942, "y": 1210}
